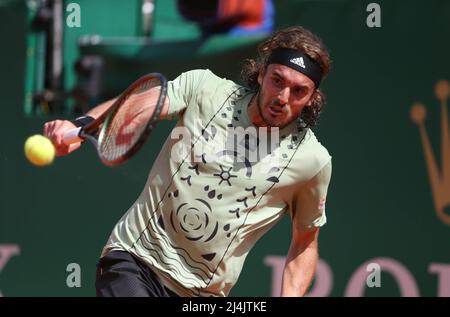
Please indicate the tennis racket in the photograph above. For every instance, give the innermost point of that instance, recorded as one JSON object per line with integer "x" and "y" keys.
{"x": 121, "y": 131}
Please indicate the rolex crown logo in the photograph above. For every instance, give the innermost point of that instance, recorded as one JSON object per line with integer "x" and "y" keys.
{"x": 439, "y": 178}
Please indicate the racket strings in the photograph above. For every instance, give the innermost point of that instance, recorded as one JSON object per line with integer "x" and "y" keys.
{"x": 129, "y": 122}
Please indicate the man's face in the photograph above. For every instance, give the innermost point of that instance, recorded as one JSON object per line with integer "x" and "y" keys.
{"x": 283, "y": 94}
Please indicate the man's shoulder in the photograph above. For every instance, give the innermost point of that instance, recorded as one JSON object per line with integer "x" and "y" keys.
{"x": 206, "y": 76}
{"x": 212, "y": 87}
{"x": 313, "y": 154}
{"x": 316, "y": 146}
{"x": 212, "y": 79}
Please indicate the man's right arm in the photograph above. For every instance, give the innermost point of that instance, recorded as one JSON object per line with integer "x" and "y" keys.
{"x": 181, "y": 90}
{"x": 56, "y": 129}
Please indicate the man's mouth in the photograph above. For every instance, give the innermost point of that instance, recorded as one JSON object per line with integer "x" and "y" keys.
{"x": 275, "y": 111}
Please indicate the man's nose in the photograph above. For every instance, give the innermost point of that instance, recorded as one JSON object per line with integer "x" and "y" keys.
{"x": 284, "y": 96}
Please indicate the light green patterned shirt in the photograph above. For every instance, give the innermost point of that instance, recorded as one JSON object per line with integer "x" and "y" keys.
{"x": 208, "y": 200}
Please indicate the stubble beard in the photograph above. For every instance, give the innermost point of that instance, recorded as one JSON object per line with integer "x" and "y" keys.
{"x": 268, "y": 121}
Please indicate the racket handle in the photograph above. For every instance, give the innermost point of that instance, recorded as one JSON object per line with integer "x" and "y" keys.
{"x": 72, "y": 136}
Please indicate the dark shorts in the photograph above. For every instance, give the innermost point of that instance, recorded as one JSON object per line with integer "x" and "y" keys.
{"x": 119, "y": 274}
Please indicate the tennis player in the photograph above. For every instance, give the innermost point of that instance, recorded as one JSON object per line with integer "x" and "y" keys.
{"x": 206, "y": 202}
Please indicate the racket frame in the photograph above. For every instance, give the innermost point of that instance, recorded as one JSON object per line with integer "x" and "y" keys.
{"x": 107, "y": 117}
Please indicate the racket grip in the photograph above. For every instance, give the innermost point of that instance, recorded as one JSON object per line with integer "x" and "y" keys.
{"x": 72, "y": 136}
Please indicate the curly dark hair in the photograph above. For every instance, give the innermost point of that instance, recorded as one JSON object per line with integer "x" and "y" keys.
{"x": 300, "y": 39}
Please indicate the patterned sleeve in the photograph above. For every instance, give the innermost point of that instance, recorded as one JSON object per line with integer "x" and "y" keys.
{"x": 308, "y": 201}
{"x": 182, "y": 90}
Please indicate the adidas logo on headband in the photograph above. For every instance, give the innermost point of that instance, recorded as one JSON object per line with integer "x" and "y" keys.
{"x": 298, "y": 61}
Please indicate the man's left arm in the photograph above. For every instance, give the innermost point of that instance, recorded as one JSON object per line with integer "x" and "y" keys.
{"x": 308, "y": 214}
{"x": 301, "y": 263}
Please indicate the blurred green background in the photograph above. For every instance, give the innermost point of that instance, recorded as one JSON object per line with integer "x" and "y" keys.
{"x": 380, "y": 203}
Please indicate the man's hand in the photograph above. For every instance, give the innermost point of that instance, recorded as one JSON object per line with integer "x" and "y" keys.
{"x": 55, "y": 130}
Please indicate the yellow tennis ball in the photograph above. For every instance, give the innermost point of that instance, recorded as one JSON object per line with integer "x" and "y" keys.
{"x": 39, "y": 150}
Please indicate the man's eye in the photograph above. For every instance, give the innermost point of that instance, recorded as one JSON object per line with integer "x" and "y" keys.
{"x": 276, "y": 81}
{"x": 299, "y": 91}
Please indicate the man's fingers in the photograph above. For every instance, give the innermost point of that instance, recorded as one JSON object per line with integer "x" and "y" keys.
{"x": 59, "y": 139}
{"x": 61, "y": 150}
{"x": 48, "y": 129}
{"x": 55, "y": 131}
{"x": 45, "y": 132}
{"x": 74, "y": 146}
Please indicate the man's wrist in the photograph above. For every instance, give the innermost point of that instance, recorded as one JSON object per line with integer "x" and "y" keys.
{"x": 82, "y": 121}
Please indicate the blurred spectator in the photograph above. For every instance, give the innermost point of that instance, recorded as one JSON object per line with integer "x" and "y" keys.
{"x": 233, "y": 17}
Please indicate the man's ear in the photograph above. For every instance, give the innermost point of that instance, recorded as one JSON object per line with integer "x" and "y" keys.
{"x": 311, "y": 99}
